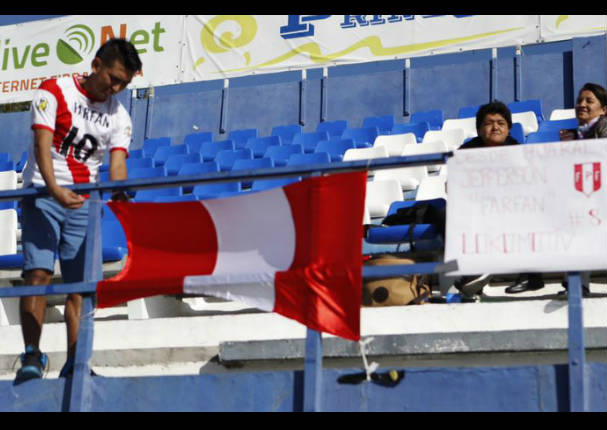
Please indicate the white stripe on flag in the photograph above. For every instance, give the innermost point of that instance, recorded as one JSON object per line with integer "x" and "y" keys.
{"x": 255, "y": 233}
{"x": 255, "y": 289}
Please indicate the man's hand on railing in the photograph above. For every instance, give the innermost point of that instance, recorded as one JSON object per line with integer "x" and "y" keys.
{"x": 66, "y": 197}
{"x": 120, "y": 196}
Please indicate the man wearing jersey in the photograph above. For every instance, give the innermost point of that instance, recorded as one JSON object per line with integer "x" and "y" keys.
{"x": 75, "y": 122}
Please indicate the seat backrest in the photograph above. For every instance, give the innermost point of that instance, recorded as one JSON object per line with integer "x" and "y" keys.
{"x": 380, "y": 195}
{"x": 194, "y": 140}
{"x": 226, "y": 157}
{"x": 517, "y": 132}
{"x": 395, "y": 143}
{"x": 303, "y": 159}
{"x": 543, "y": 136}
{"x": 308, "y": 141}
{"x": 361, "y": 135}
{"x": 5, "y": 166}
{"x": 147, "y": 172}
{"x": 209, "y": 150}
{"x": 560, "y": 124}
{"x": 148, "y": 195}
{"x": 266, "y": 184}
{"x": 466, "y": 124}
{"x": 432, "y": 187}
{"x": 281, "y": 153}
{"x": 419, "y": 129}
{"x": 335, "y": 148}
{"x": 287, "y": 132}
{"x": 453, "y": 138}
{"x": 240, "y": 137}
{"x": 468, "y": 111}
{"x": 195, "y": 168}
{"x": 8, "y": 231}
{"x": 384, "y": 123}
{"x": 175, "y": 161}
{"x": 150, "y": 145}
{"x": 8, "y": 180}
{"x": 163, "y": 152}
{"x": 365, "y": 153}
{"x": 251, "y": 164}
{"x": 431, "y": 147}
{"x": 334, "y": 128}
{"x": 408, "y": 177}
{"x": 435, "y": 118}
{"x": 215, "y": 189}
{"x": 133, "y": 163}
{"x": 562, "y": 114}
{"x": 528, "y": 120}
{"x": 532, "y": 105}
{"x": 259, "y": 145}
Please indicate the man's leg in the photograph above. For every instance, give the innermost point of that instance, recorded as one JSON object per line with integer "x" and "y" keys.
{"x": 33, "y": 309}
{"x": 73, "y": 310}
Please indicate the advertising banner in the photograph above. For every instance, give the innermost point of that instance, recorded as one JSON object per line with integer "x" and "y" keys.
{"x": 528, "y": 208}
{"x": 33, "y": 52}
{"x": 560, "y": 27}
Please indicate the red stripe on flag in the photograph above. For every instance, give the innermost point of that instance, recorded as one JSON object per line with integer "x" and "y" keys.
{"x": 323, "y": 287}
{"x": 166, "y": 242}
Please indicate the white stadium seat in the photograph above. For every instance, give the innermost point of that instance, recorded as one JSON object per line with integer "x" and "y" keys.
{"x": 380, "y": 195}
{"x": 562, "y": 114}
{"x": 452, "y": 137}
{"x": 395, "y": 143}
{"x": 528, "y": 120}
{"x": 466, "y": 124}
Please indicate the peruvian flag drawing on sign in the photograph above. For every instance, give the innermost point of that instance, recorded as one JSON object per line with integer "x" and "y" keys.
{"x": 587, "y": 177}
{"x": 295, "y": 250}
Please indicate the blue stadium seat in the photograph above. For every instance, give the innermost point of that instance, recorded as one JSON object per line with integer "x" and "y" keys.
{"x": 133, "y": 163}
{"x": 215, "y": 190}
{"x": 169, "y": 199}
{"x": 303, "y": 159}
{"x": 434, "y": 118}
{"x": 240, "y": 137}
{"x": 417, "y": 128}
{"x": 335, "y": 148}
{"x": 286, "y": 132}
{"x": 259, "y": 145}
{"x": 362, "y": 137}
{"x": 559, "y": 124}
{"x": 21, "y": 163}
{"x": 136, "y": 153}
{"x": 163, "y": 152}
{"x": 225, "y": 159}
{"x": 148, "y": 195}
{"x": 383, "y": 123}
{"x": 266, "y": 184}
{"x": 209, "y": 150}
{"x": 175, "y": 161}
{"x": 194, "y": 140}
{"x": 194, "y": 169}
{"x": 9, "y": 204}
{"x": 151, "y": 145}
{"x": 147, "y": 172}
{"x": 251, "y": 164}
{"x": 113, "y": 240}
{"x": 517, "y": 132}
{"x": 281, "y": 153}
{"x": 543, "y": 136}
{"x": 468, "y": 111}
{"x": 7, "y": 165}
{"x": 334, "y": 128}
{"x": 11, "y": 261}
{"x": 526, "y": 106}
{"x": 308, "y": 141}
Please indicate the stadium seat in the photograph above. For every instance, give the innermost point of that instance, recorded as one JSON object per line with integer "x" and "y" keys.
{"x": 409, "y": 177}
{"x": 240, "y": 137}
{"x": 543, "y": 136}
{"x": 194, "y": 140}
{"x": 136, "y": 153}
{"x": 419, "y": 129}
{"x": 561, "y": 124}
{"x": 150, "y": 145}
{"x": 251, "y": 164}
{"x": 383, "y": 123}
{"x": 308, "y": 141}
{"x": 266, "y": 184}
{"x": 169, "y": 199}
{"x": 5, "y": 166}
{"x": 468, "y": 111}
{"x": 528, "y": 121}
{"x": 362, "y": 137}
{"x": 209, "y": 150}
{"x": 303, "y": 159}
{"x": 133, "y": 163}
{"x": 21, "y": 163}
{"x": 281, "y": 153}
{"x": 8, "y": 231}
{"x": 225, "y": 158}
{"x": 335, "y": 148}
{"x": 334, "y": 128}
{"x": 365, "y": 153}
{"x": 562, "y": 114}
{"x": 517, "y": 132}
{"x": 286, "y": 132}
{"x": 453, "y": 138}
{"x": 395, "y": 143}
{"x": 195, "y": 169}
{"x": 163, "y": 152}
{"x": 435, "y": 147}
{"x": 148, "y": 195}
{"x": 533, "y": 105}
{"x": 113, "y": 240}
{"x": 380, "y": 195}
{"x": 434, "y": 118}
{"x": 147, "y": 172}
{"x": 466, "y": 124}
{"x": 8, "y": 180}
{"x": 259, "y": 145}
{"x": 432, "y": 187}
{"x": 175, "y": 161}
{"x": 216, "y": 190}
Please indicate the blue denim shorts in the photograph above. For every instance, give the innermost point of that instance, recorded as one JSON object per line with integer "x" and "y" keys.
{"x": 49, "y": 230}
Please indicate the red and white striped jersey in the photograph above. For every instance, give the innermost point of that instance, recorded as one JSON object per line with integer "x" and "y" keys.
{"x": 83, "y": 130}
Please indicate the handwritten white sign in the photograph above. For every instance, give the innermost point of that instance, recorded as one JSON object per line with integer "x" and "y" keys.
{"x": 528, "y": 208}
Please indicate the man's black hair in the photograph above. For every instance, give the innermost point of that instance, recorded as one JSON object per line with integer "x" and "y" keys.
{"x": 597, "y": 90}
{"x": 121, "y": 50}
{"x": 493, "y": 108}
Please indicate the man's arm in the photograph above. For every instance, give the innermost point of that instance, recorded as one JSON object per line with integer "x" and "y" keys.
{"x": 43, "y": 139}
{"x": 118, "y": 172}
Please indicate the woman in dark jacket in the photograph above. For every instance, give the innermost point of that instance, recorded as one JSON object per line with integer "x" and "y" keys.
{"x": 590, "y": 111}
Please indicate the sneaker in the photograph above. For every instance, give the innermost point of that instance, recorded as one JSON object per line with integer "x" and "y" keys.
{"x": 471, "y": 285}
{"x": 68, "y": 369}
{"x": 33, "y": 363}
{"x": 585, "y": 290}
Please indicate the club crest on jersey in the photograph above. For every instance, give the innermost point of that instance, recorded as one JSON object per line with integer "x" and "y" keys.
{"x": 587, "y": 178}
{"x": 42, "y": 104}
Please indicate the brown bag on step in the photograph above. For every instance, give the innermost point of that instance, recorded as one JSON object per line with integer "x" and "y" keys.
{"x": 397, "y": 291}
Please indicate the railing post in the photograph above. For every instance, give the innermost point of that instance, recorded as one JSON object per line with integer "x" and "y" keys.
{"x": 313, "y": 372}
{"x": 577, "y": 353}
{"x": 80, "y": 395}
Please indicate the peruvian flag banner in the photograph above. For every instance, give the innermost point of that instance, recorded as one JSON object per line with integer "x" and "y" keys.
{"x": 294, "y": 250}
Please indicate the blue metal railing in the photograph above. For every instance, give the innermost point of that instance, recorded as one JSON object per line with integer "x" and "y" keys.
{"x": 79, "y": 386}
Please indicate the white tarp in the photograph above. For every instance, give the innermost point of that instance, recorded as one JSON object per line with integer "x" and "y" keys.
{"x": 187, "y": 48}
{"x": 528, "y": 208}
